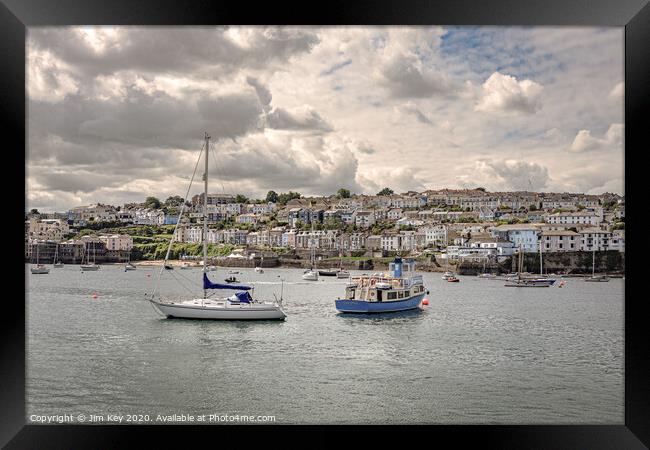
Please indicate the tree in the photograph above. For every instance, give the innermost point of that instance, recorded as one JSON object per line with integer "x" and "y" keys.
{"x": 343, "y": 193}
{"x": 240, "y": 198}
{"x": 480, "y": 189}
{"x": 34, "y": 211}
{"x": 532, "y": 207}
{"x": 385, "y": 191}
{"x": 175, "y": 200}
{"x": 284, "y": 197}
{"x": 271, "y": 197}
{"x": 152, "y": 202}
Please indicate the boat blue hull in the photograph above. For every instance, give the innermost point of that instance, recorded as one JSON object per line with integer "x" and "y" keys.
{"x": 360, "y": 306}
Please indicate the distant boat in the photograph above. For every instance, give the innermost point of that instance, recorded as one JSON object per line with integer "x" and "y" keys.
{"x": 594, "y": 277}
{"x": 38, "y": 268}
{"x": 485, "y": 274}
{"x": 401, "y": 290}
{"x": 129, "y": 266}
{"x": 527, "y": 282}
{"x": 342, "y": 274}
{"x": 57, "y": 263}
{"x": 452, "y": 279}
{"x": 89, "y": 266}
{"x": 185, "y": 266}
{"x": 327, "y": 273}
{"x": 168, "y": 267}
{"x": 310, "y": 275}
{"x": 231, "y": 280}
{"x": 259, "y": 268}
{"x": 447, "y": 275}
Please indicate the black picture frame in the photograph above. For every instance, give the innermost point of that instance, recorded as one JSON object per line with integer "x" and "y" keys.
{"x": 634, "y": 15}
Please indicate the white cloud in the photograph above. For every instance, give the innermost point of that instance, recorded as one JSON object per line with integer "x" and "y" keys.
{"x": 612, "y": 140}
{"x": 504, "y": 94}
{"x": 618, "y": 92}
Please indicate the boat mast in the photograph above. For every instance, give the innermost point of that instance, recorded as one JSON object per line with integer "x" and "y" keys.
{"x": 540, "y": 257}
{"x": 205, "y": 210}
{"x": 593, "y": 264}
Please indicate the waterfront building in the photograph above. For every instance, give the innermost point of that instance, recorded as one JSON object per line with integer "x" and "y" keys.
{"x": 119, "y": 242}
{"x": 560, "y": 241}
{"x": 596, "y": 239}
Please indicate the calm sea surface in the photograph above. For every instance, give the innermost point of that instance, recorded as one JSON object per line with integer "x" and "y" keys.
{"x": 479, "y": 353}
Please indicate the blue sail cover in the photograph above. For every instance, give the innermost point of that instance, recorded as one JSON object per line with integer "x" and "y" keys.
{"x": 243, "y": 297}
{"x": 207, "y": 284}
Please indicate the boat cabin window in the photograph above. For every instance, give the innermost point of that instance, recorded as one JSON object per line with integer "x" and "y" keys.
{"x": 392, "y": 295}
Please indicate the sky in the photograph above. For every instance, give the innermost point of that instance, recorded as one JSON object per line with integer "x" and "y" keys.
{"x": 117, "y": 114}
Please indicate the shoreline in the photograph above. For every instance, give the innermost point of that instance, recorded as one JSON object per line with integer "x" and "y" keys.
{"x": 378, "y": 268}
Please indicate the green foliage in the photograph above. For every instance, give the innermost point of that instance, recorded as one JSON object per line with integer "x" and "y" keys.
{"x": 175, "y": 200}
{"x": 386, "y": 191}
{"x": 343, "y": 193}
{"x": 152, "y": 202}
{"x": 34, "y": 211}
{"x": 619, "y": 226}
{"x": 240, "y": 198}
{"x": 272, "y": 197}
{"x": 532, "y": 208}
{"x": 284, "y": 197}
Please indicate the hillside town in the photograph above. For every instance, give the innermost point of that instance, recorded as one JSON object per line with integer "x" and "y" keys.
{"x": 455, "y": 225}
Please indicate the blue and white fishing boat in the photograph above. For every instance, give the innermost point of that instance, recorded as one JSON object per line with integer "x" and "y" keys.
{"x": 400, "y": 290}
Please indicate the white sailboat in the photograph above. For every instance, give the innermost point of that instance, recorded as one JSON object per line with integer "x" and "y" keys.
{"x": 89, "y": 266}
{"x": 39, "y": 268}
{"x": 240, "y": 306}
{"x": 129, "y": 265}
{"x": 527, "y": 282}
{"x": 594, "y": 277}
{"x": 57, "y": 262}
{"x": 259, "y": 269}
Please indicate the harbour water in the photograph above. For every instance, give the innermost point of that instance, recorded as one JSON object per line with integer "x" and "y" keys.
{"x": 478, "y": 353}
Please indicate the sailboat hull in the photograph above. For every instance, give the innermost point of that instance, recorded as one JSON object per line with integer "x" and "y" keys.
{"x": 91, "y": 268}
{"x": 223, "y": 312}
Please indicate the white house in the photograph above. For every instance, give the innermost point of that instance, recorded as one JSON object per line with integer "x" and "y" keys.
{"x": 574, "y": 218}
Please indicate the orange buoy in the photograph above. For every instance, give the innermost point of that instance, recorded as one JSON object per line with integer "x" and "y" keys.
{"x": 425, "y": 301}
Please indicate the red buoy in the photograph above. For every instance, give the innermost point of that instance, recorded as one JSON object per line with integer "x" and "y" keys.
{"x": 425, "y": 301}
{"x": 94, "y": 295}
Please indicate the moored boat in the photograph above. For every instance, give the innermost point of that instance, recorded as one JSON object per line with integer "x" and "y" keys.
{"x": 401, "y": 290}
{"x": 240, "y": 306}
{"x": 327, "y": 273}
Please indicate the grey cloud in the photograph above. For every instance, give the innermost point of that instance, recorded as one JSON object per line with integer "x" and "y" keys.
{"x": 521, "y": 175}
{"x": 263, "y": 92}
{"x": 174, "y": 49}
{"x": 403, "y": 78}
{"x": 297, "y": 119}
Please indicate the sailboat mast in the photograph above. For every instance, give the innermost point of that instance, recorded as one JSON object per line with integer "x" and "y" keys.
{"x": 593, "y": 263}
{"x": 540, "y": 257}
{"x": 205, "y": 210}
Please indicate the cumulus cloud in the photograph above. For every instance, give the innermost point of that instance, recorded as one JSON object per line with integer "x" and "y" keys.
{"x": 510, "y": 174}
{"x": 504, "y": 94}
{"x": 585, "y": 142}
{"x": 403, "y": 76}
{"x": 299, "y": 118}
{"x": 618, "y": 92}
{"x": 118, "y": 113}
